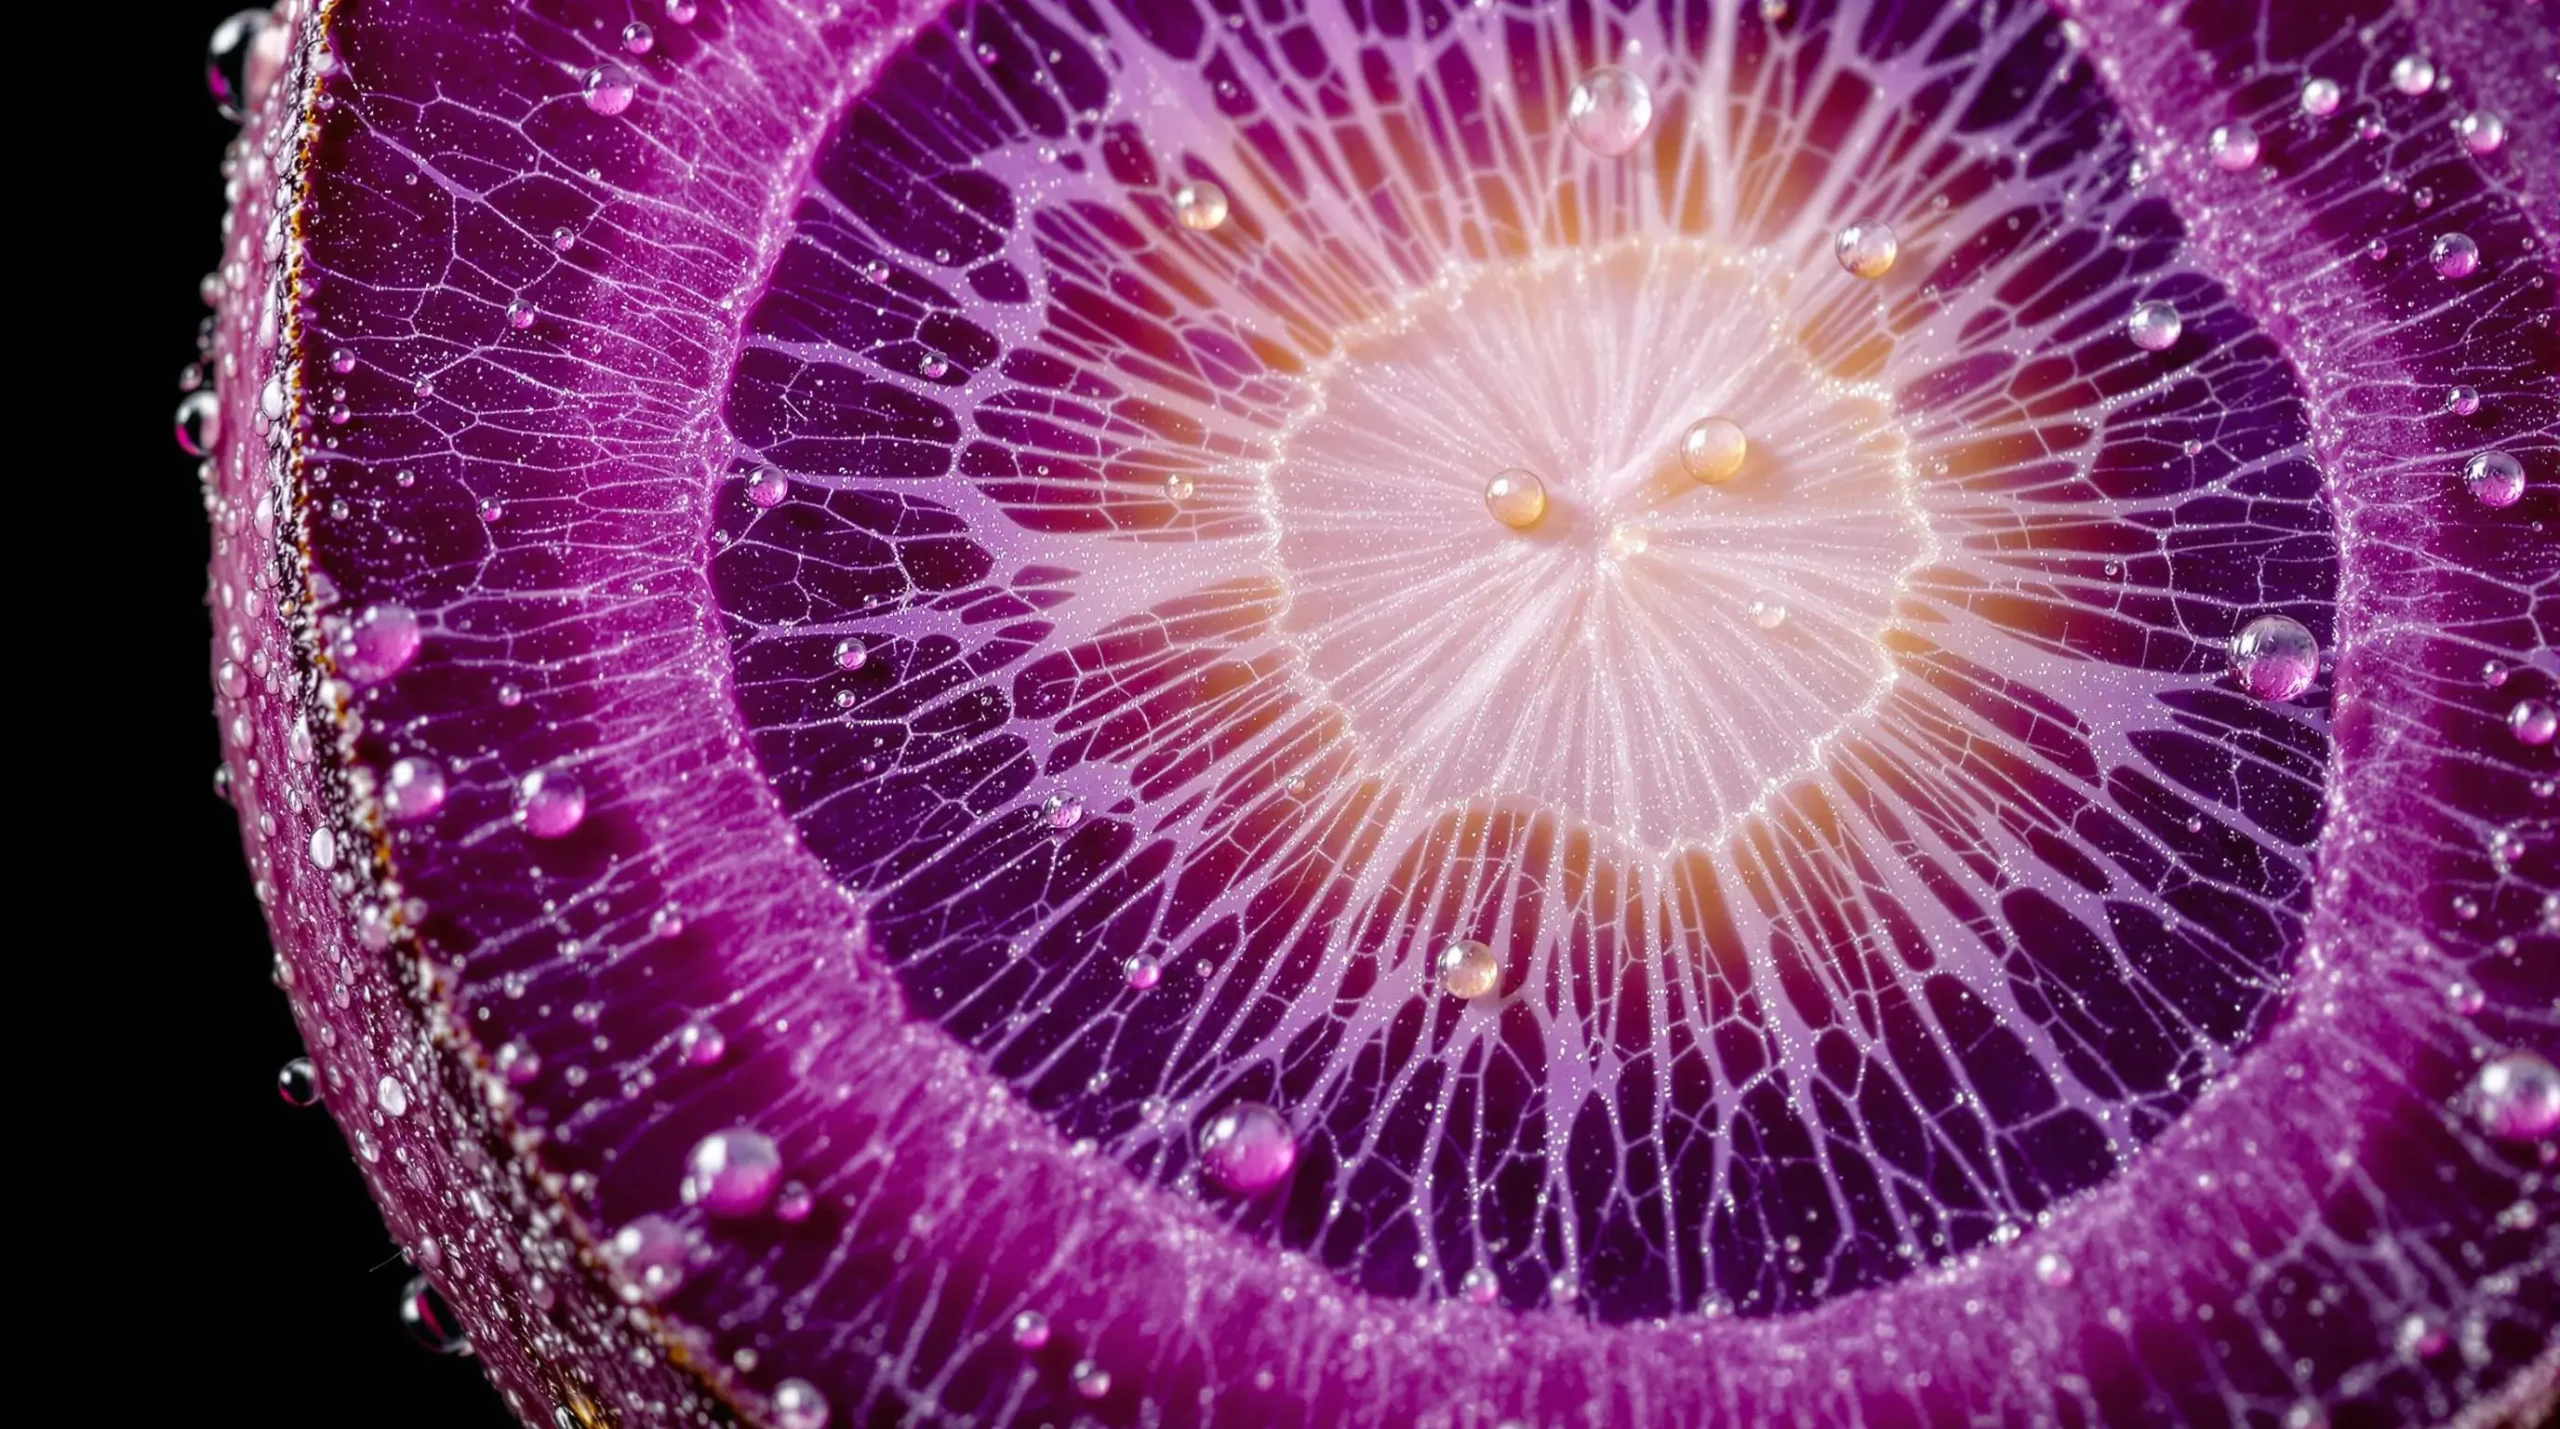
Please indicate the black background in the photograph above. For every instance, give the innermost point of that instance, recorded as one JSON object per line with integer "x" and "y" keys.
{"x": 209, "y": 1252}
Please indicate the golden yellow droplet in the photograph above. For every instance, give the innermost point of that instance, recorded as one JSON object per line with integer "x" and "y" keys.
{"x": 1516, "y": 498}
{"x": 1469, "y": 969}
{"x": 1712, "y": 449}
{"x": 1200, "y": 205}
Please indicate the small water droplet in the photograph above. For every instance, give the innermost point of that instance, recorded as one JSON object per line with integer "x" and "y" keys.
{"x": 1867, "y": 249}
{"x": 2154, "y": 326}
{"x": 413, "y": 790}
{"x": 1609, "y": 111}
{"x": 2465, "y": 997}
{"x": 1516, "y": 498}
{"x": 1030, "y": 1330}
{"x": 934, "y": 366}
{"x": 2420, "y": 1337}
{"x": 298, "y": 1082}
{"x": 2053, "y": 1269}
{"x": 563, "y": 239}
{"x": 2320, "y": 97}
{"x": 199, "y": 422}
{"x": 1142, "y": 971}
{"x": 1468, "y": 969}
{"x": 609, "y": 89}
{"x": 1768, "y": 610}
{"x": 2517, "y": 1097}
{"x": 1479, "y": 1286}
{"x": 2494, "y": 479}
{"x": 2275, "y": 657}
{"x": 1248, "y": 1147}
{"x": 392, "y": 1095}
{"x": 550, "y": 804}
{"x": 2454, "y": 255}
{"x": 518, "y": 1063}
{"x": 2481, "y": 131}
{"x": 797, "y": 1404}
{"x": 2533, "y": 722}
{"x": 429, "y": 1320}
{"x": 2462, "y": 401}
{"x": 767, "y": 487}
{"x": 680, "y": 11}
{"x": 850, "y": 655}
{"x": 2234, "y": 146}
{"x": 701, "y": 1044}
{"x": 520, "y": 314}
{"x": 1061, "y": 811}
{"x": 229, "y": 680}
{"x": 342, "y": 360}
{"x": 1178, "y": 488}
{"x": 1712, "y": 449}
{"x": 793, "y": 1203}
{"x": 637, "y": 38}
{"x": 732, "y": 1173}
{"x": 1091, "y": 1380}
{"x": 2413, "y": 74}
{"x": 1200, "y": 205}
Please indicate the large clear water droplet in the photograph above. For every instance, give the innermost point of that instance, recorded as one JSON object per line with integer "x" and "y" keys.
{"x": 1469, "y": 969}
{"x": 226, "y": 61}
{"x": 2154, "y": 326}
{"x": 429, "y": 1320}
{"x": 378, "y": 643}
{"x": 2533, "y": 722}
{"x": 2413, "y": 74}
{"x": 199, "y": 422}
{"x": 392, "y": 1095}
{"x": 732, "y": 1173}
{"x": 1248, "y": 1148}
{"x": 414, "y": 790}
{"x": 2454, "y": 255}
{"x": 797, "y": 1404}
{"x": 767, "y": 488}
{"x": 2275, "y": 657}
{"x": 1516, "y": 498}
{"x": 1712, "y": 449}
{"x": 1200, "y": 205}
{"x": 1867, "y": 249}
{"x": 638, "y": 38}
{"x": 701, "y": 1044}
{"x": 2517, "y": 1097}
{"x": 2320, "y": 97}
{"x": 1767, "y": 609}
{"x": 1030, "y": 1330}
{"x": 2235, "y": 147}
{"x": 2494, "y": 478}
{"x": 1609, "y": 111}
{"x": 550, "y": 804}
{"x": 298, "y": 1082}
{"x": 609, "y": 89}
{"x": 2481, "y": 131}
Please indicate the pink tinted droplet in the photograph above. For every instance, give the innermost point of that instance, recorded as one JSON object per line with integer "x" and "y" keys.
{"x": 2533, "y": 721}
{"x": 732, "y": 1173}
{"x": 413, "y": 790}
{"x": 377, "y": 644}
{"x": 609, "y": 89}
{"x": 1248, "y": 1148}
{"x": 549, "y": 804}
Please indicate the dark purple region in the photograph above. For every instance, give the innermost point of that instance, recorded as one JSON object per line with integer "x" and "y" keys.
{"x": 2021, "y": 914}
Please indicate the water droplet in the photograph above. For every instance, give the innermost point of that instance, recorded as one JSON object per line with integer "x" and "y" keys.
{"x": 1248, "y": 1148}
{"x": 392, "y": 1096}
{"x": 1030, "y": 1330}
{"x": 2235, "y": 147}
{"x": 2320, "y": 97}
{"x": 2462, "y": 401}
{"x": 2454, "y": 255}
{"x": 2517, "y": 1097}
{"x": 1091, "y": 1380}
{"x": 1142, "y": 970}
{"x": 934, "y": 366}
{"x": 2275, "y": 657}
{"x": 2413, "y": 74}
{"x": 2465, "y": 997}
{"x": 298, "y": 1082}
{"x": 1609, "y": 111}
{"x": 518, "y": 1063}
{"x": 563, "y": 238}
{"x": 732, "y": 1173}
{"x": 1712, "y": 449}
{"x": 609, "y": 89}
{"x": 680, "y": 11}
{"x": 509, "y": 696}
{"x": 637, "y": 38}
{"x": 1867, "y": 249}
{"x": 2154, "y": 326}
{"x": 1178, "y": 488}
{"x": 520, "y": 314}
{"x": 414, "y": 790}
{"x": 229, "y": 680}
{"x": 1767, "y": 610}
{"x": 1061, "y": 811}
{"x": 549, "y": 804}
{"x": 2481, "y": 131}
{"x": 199, "y": 422}
{"x": 2533, "y": 722}
{"x": 701, "y": 1044}
{"x": 1516, "y": 498}
{"x": 2494, "y": 479}
{"x": 429, "y": 1320}
{"x": 1469, "y": 969}
{"x": 226, "y": 61}
{"x": 793, "y": 1204}
{"x": 2420, "y": 1337}
{"x": 850, "y": 655}
{"x": 1200, "y": 205}
{"x": 324, "y": 848}
{"x": 342, "y": 361}
{"x": 797, "y": 1404}
{"x": 2054, "y": 1269}
{"x": 767, "y": 487}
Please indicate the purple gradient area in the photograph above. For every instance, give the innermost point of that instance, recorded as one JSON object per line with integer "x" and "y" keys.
{"x": 417, "y": 161}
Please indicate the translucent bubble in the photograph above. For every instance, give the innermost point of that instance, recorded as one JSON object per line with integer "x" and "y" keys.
{"x": 298, "y": 1082}
{"x": 2320, "y": 96}
{"x": 549, "y": 804}
{"x": 648, "y": 1252}
{"x": 563, "y": 238}
{"x": 1030, "y": 1330}
{"x": 2517, "y": 1097}
{"x": 1178, "y": 488}
{"x": 797, "y": 1404}
{"x": 1091, "y": 1380}
{"x": 1142, "y": 971}
{"x": 732, "y": 1173}
{"x": 2454, "y": 255}
{"x": 2533, "y": 721}
{"x": 609, "y": 89}
{"x": 226, "y": 61}
{"x": 1469, "y": 969}
{"x": 701, "y": 1044}
{"x": 520, "y": 314}
{"x": 767, "y": 487}
{"x": 429, "y": 1320}
{"x": 2413, "y": 74}
{"x": 1200, "y": 205}
{"x": 681, "y": 11}
{"x": 637, "y": 38}
{"x": 2154, "y": 326}
{"x": 2465, "y": 997}
{"x": 1768, "y": 610}
{"x": 1609, "y": 111}
{"x": 1248, "y": 1148}
{"x": 2462, "y": 401}
{"x": 342, "y": 361}
{"x": 2481, "y": 131}
{"x": 1516, "y": 498}
{"x": 2053, "y": 1268}
{"x": 1712, "y": 449}
{"x": 413, "y": 790}
{"x": 1867, "y": 249}
{"x": 229, "y": 680}
{"x": 199, "y": 423}
{"x": 518, "y": 1063}
{"x": 377, "y": 644}
{"x": 1062, "y": 811}
{"x": 2494, "y": 478}
{"x": 2235, "y": 147}
{"x": 793, "y": 1203}
{"x": 1479, "y": 1286}
{"x": 851, "y": 655}
{"x": 2275, "y": 657}
{"x": 392, "y": 1095}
